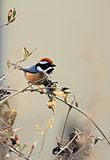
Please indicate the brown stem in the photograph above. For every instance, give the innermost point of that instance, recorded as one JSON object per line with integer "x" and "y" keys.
{"x": 66, "y": 119}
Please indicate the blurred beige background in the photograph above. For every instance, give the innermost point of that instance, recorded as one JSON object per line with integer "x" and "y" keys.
{"x": 76, "y": 35}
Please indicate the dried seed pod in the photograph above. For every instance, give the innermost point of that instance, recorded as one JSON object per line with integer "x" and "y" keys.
{"x": 52, "y": 104}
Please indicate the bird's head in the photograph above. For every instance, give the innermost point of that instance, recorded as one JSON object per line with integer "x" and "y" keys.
{"x": 45, "y": 65}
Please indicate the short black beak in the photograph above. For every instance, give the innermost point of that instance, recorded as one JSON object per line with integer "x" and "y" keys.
{"x": 53, "y": 65}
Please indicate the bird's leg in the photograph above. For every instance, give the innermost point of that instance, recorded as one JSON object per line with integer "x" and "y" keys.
{"x": 31, "y": 87}
{"x": 40, "y": 89}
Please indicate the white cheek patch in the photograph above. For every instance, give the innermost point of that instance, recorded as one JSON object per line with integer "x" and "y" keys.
{"x": 40, "y": 69}
{"x": 48, "y": 69}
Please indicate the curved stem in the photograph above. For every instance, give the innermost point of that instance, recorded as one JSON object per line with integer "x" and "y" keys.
{"x": 71, "y": 106}
{"x": 65, "y": 124}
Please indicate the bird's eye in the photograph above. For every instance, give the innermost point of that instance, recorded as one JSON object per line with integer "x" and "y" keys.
{"x": 47, "y": 65}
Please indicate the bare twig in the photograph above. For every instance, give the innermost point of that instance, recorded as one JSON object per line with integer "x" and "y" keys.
{"x": 5, "y": 75}
{"x": 70, "y": 106}
{"x": 24, "y": 59}
{"x": 15, "y": 151}
{"x": 21, "y": 90}
{"x": 65, "y": 124}
{"x": 43, "y": 141}
{"x": 88, "y": 117}
{"x": 15, "y": 66}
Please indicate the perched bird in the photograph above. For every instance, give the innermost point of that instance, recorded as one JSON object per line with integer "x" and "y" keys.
{"x": 38, "y": 73}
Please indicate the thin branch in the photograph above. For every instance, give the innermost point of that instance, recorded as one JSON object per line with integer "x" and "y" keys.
{"x": 20, "y": 61}
{"x": 30, "y": 89}
{"x": 6, "y": 24}
{"x": 5, "y": 75}
{"x": 43, "y": 141}
{"x": 15, "y": 65}
{"x": 66, "y": 119}
{"x": 20, "y": 90}
{"x": 88, "y": 117}
{"x": 15, "y": 151}
{"x": 70, "y": 106}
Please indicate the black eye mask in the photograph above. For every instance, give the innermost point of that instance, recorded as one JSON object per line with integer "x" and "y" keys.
{"x": 43, "y": 66}
{"x": 50, "y": 70}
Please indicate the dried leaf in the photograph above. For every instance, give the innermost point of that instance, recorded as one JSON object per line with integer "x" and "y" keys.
{"x": 24, "y": 50}
{"x": 32, "y": 148}
{"x": 39, "y": 129}
{"x": 50, "y": 123}
{"x": 33, "y": 145}
{"x": 14, "y": 140}
{"x": 52, "y": 104}
{"x": 10, "y": 14}
{"x": 8, "y": 64}
{"x": 98, "y": 139}
{"x": 58, "y": 92}
{"x": 76, "y": 104}
{"x": 26, "y": 53}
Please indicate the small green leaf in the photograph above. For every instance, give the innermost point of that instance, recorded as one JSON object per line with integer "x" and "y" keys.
{"x": 14, "y": 13}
